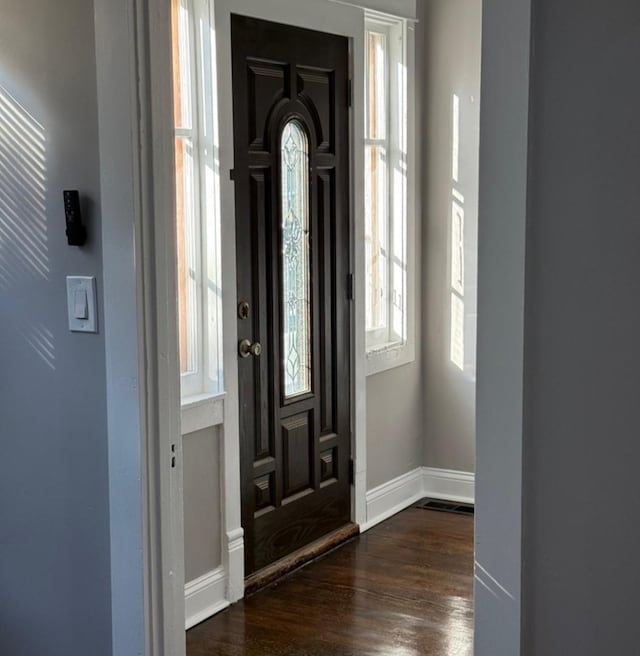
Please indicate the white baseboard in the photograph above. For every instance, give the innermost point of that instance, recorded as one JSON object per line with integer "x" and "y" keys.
{"x": 392, "y": 497}
{"x": 449, "y": 485}
{"x": 235, "y": 564}
{"x": 399, "y": 493}
{"x": 205, "y": 596}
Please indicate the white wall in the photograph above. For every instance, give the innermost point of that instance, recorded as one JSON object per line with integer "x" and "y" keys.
{"x": 451, "y": 31}
{"x": 54, "y": 501}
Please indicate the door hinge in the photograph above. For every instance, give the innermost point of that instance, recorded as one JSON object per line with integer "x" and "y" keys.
{"x": 349, "y": 93}
{"x": 350, "y": 290}
{"x": 173, "y": 456}
{"x": 352, "y": 472}
{"x": 232, "y": 174}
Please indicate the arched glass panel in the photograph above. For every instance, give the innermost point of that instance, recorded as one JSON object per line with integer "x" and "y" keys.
{"x": 296, "y": 288}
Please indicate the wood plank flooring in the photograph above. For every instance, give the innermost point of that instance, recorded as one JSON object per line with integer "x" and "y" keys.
{"x": 404, "y": 588}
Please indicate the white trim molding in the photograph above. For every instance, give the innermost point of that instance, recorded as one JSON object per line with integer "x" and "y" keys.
{"x": 205, "y": 596}
{"x": 133, "y": 66}
{"x": 400, "y": 8}
{"x": 399, "y": 493}
{"x": 392, "y": 497}
{"x": 235, "y": 564}
{"x": 202, "y": 411}
{"x": 449, "y": 484}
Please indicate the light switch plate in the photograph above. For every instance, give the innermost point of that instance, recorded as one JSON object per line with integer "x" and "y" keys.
{"x": 86, "y": 284}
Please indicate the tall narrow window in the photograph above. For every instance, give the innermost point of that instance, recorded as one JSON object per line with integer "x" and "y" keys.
{"x": 385, "y": 185}
{"x": 295, "y": 274}
{"x": 186, "y": 218}
{"x": 376, "y": 185}
{"x": 197, "y": 198}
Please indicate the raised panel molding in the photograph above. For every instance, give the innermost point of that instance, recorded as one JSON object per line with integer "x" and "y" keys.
{"x": 268, "y": 79}
{"x": 399, "y": 493}
{"x": 297, "y": 450}
{"x": 316, "y": 90}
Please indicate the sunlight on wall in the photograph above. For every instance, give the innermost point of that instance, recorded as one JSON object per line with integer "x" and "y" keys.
{"x": 23, "y": 222}
{"x": 40, "y": 339}
{"x": 23, "y": 227}
{"x": 490, "y": 583}
{"x": 457, "y": 246}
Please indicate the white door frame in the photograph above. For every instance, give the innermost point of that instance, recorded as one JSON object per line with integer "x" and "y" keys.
{"x": 133, "y": 66}
{"x": 346, "y": 21}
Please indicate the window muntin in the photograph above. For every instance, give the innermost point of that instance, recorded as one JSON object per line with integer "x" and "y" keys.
{"x": 295, "y": 273}
{"x": 385, "y": 146}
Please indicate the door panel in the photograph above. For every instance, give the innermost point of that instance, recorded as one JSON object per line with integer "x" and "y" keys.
{"x": 292, "y": 201}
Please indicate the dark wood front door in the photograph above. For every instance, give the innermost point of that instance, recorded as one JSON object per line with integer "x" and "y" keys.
{"x": 291, "y": 172}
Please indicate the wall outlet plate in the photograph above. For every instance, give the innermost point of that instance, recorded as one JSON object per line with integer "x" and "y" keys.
{"x": 81, "y": 304}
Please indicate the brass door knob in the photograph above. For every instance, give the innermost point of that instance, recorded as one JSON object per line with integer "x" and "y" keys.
{"x": 247, "y": 348}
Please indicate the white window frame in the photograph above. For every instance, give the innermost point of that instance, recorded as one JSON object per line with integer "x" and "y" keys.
{"x": 386, "y": 348}
{"x": 205, "y": 323}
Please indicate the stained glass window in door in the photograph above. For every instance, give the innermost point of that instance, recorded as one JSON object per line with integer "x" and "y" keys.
{"x": 296, "y": 288}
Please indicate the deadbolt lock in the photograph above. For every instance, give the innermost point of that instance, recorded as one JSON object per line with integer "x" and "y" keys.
{"x": 247, "y": 348}
{"x": 243, "y": 310}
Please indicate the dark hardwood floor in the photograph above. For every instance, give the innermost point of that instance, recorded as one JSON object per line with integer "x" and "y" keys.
{"x": 404, "y": 588}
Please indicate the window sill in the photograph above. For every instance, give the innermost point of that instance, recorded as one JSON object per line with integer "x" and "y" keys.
{"x": 201, "y": 411}
{"x": 388, "y": 356}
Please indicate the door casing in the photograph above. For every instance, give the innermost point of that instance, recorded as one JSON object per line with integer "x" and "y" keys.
{"x": 345, "y": 21}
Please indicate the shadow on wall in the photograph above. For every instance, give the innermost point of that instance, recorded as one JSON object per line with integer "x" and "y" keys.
{"x": 23, "y": 224}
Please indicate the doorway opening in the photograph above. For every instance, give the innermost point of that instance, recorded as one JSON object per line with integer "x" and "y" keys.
{"x": 299, "y": 358}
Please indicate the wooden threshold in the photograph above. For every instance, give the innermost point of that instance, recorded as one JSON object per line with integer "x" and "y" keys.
{"x": 297, "y": 559}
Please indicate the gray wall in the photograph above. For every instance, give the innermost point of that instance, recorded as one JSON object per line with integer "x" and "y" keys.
{"x": 504, "y": 129}
{"x": 394, "y": 423}
{"x": 395, "y": 430}
{"x": 582, "y": 380}
{"x": 202, "y": 502}
{"x": 54, "y": 531}
{"x": 451, "y": 65}
{"x": 424, "y": 413}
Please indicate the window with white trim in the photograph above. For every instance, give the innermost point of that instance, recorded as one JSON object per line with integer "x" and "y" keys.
{"x": 197, "y": 199}
{"x": 386, "y": 165}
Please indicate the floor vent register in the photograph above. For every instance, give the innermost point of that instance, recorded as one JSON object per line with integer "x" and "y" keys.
{"x": 445, "y": 506}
